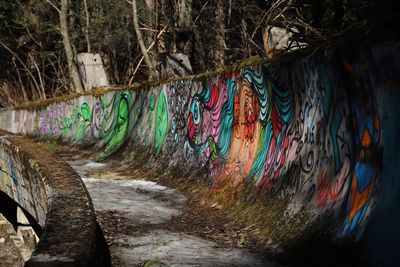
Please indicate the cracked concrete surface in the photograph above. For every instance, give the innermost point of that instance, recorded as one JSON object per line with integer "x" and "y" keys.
{"x": 178, "y": 249}
{"x": 146, "y": 202}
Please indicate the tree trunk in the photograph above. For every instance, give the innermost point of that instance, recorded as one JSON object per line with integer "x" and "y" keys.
{"x": 73, "y": 71}
{"x": 152, "y": 18}
{"x": 87, "y": 26}
{"x": 184, "y": 14}
{"x": 219, "y": 50}
{"x": 183, "y": 24}
{"x": 149, "y": 63}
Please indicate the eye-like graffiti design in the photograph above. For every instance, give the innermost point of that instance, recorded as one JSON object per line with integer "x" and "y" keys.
{"x": 211, "y": 118}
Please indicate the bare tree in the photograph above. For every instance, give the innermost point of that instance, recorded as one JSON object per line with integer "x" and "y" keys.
{"x": 32, "y": 79}
{"x": 72, "y": 69}
{"x": 219, "y": 53}
{"x": 152, "y": 68}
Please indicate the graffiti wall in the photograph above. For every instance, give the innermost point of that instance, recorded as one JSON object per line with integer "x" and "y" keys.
{"x": 9, "y": 174}
{"x": 309, "y": 130}
{"x": 20, "y": 184}
{"x": 383, "y": 233}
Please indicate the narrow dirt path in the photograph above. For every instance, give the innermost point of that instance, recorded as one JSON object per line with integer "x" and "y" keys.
{"x": 147, "y": 224}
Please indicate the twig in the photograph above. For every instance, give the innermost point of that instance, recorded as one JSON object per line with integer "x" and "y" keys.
{"x": 40, "y": 76}
{"x": 54, "y": 6}
{"x": 20, "y": 82}
{"x": 33, "y": 39}
{"x": 201, "y": 10}
{"x": 148, "y": 49}
{"x": 22, "y": 63}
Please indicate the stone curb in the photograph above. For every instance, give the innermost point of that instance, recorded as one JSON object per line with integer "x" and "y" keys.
{"x": 70, "y": 234}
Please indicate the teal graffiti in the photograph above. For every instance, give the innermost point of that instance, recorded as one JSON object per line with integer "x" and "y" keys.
{"x": 337, "y": 117}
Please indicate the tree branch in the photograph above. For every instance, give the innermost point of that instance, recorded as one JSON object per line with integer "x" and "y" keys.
{"x": 152, "y": 69}
{"x": 148, "y": 49}
{"x": 54, "y": 6}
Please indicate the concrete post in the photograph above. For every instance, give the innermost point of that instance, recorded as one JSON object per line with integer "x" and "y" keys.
{"x": 92, "y": 71}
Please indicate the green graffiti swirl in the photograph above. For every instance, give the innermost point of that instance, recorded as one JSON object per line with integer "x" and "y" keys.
{"x": 119, "y": 129}
{"x": 84, "y": 124}
{"x": 161, "y": 129}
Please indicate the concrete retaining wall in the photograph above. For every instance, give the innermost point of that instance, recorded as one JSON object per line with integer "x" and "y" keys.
{"x": 309, "y": 133}
{"x": 55, "y": 196}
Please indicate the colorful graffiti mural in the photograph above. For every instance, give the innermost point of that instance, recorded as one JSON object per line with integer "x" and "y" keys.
{"x": 367, "y": 154}
{"x": 301, "y": 129}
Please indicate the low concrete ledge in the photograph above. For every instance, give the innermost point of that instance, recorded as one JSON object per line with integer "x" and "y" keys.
{"x": 56, "y": 197}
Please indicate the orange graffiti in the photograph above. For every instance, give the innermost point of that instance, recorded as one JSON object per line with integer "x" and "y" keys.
{"x": 359, "y": 199}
